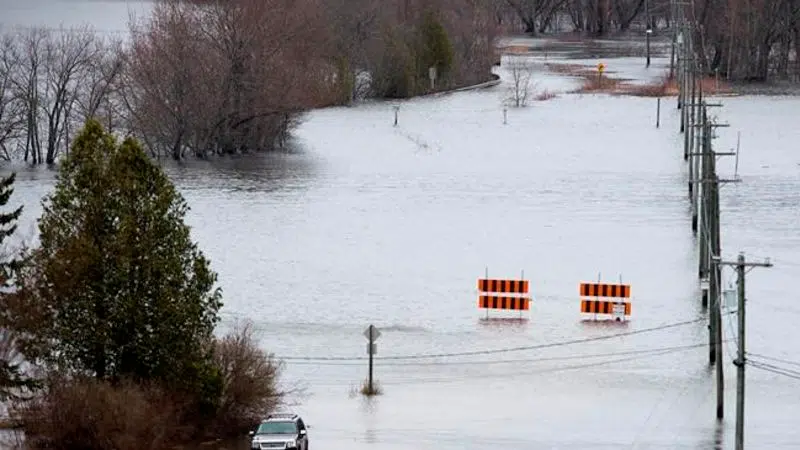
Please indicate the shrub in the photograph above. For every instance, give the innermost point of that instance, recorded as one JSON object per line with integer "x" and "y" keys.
{"x": 249, "y": 381}
{"x": 370, "y": 391}
{"x": 545, "y": 95}
{"x": 87, "y": 413}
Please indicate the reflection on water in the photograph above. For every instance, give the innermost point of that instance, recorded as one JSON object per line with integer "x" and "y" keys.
{"x": 261, "y": 172}
{"x": 503, "y": 322}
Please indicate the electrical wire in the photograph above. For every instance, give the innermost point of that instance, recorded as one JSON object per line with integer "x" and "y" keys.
{"x": 503, "y": 361}
{"x": 507, "y": 375}
{"x": 772, "y": 358}
{"x": 782, "y": 369}
{"x": 499, "y": 350}
{"x": 774, "y": 369}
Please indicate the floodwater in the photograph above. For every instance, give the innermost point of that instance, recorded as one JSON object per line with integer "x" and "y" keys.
{"x": 362, "y": 222}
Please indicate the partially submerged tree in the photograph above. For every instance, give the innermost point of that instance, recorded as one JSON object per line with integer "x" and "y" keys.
{"x": 521, "y": 73}
{"x": 117, "y": 288}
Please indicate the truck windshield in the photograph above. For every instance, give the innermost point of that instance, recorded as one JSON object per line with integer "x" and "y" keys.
{"x": 277, "y": 428}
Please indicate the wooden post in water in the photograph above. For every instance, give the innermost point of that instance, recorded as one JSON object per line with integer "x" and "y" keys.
{"x": 658, "y": 112}
{"x": 372, "y": 334}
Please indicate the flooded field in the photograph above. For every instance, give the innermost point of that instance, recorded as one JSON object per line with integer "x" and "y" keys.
{"x": 363, "y": 222}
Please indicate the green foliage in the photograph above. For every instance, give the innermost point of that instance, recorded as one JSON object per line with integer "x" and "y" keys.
{"x": 12, "y": 380}
{"x": 14, "y": 383}
{"x": 346, "y": 81}
{"x": 396, "y": 77}
{"x": 409, "y": 53}
{"x": 435, "y": 47}
{"x": 117, "y": 288}
{"x": 8, "y": 225}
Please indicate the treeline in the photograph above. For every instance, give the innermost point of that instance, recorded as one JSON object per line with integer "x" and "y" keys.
{"x": 750, "y": 40}
{"x": 205, "y": 78}
{"x": 592, "y": 17}
{"x": 107, "y": 325}
{"x": 738, "y": 40}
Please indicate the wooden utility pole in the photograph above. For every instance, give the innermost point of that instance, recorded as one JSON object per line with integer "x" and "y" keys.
{"x": 702, "y": 184}
{"x": 648, "y": 31}
{"x": 674, "y": 24}
{"x": 741, "y": 265}
{"x": 714, "y": 290}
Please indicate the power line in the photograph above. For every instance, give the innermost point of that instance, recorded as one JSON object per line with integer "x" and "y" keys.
{"x": 495, "y": 351}
{"x": 774, "y": 369}
{"x": 506, "y": 361}
{"x": 451, "y": 379}
{"x": 539, "y": 371}
{"x": 772, "y": 358}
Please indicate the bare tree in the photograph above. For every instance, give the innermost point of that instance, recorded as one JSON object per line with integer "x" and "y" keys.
{"x": 11, "y": 104}
{"x": 521, "y": 86}
{"x": 28, "y": 82}
{"x": 98, "y": 97}
{"x": 68, "y": 59}
{"x": 224, "y": 76}
{"x": 536, "y": 15}
{"x": 158, "y": 87}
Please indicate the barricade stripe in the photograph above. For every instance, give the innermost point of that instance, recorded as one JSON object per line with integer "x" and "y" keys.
{"x": 504, "y": 302}
{"x": 605, "y": 290}
{"x": 503, "y": 286}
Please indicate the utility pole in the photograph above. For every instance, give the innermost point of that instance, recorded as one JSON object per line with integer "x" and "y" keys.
{"x": 674, "y": 25}
{"x": 648, "y": 30}
{"x": 740, "y": 265}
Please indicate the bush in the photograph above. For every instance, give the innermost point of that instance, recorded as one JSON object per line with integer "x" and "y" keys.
{"x": 90, "y": 414}
{"x": 545, "y": 95}
{"x": 370, "y": 391}
{"x": 249, "y": 381}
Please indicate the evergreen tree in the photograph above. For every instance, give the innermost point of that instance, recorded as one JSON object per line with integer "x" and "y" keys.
{"x": 8, "y": 225}
{"x": 436, "y": 49}
{"x": 117, "y": 289}
{"x": 12, "y": 380}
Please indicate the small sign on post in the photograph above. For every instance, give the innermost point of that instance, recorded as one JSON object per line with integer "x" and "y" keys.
{"x": 432, "y": 76}
{"x": 619, "y": 311}
{"x": 372, "y": 334}
{"x": 600, "y": 68}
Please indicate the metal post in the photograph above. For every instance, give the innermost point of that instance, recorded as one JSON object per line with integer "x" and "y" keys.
{"x": 371, "y": 344}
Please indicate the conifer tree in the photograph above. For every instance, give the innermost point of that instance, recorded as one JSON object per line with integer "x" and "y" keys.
{"x": 117, "y": 289}
{"x": 12, "y": 380}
